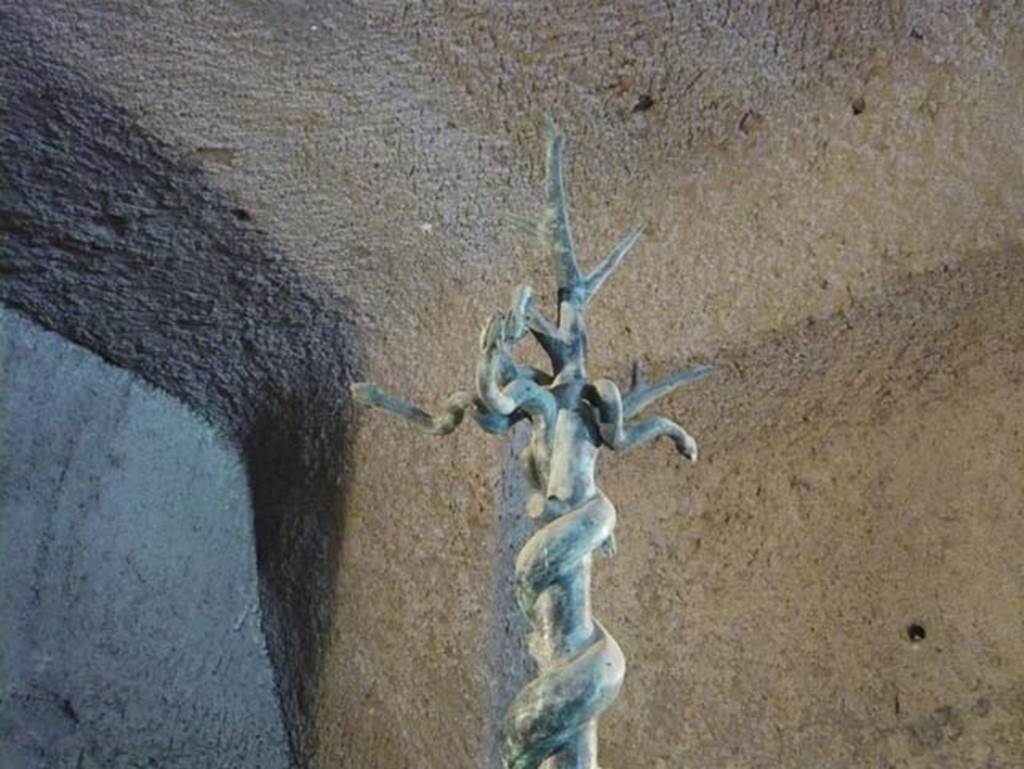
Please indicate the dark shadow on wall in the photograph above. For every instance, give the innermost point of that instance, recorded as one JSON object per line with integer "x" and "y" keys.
{"x": 510, "y": 663}
{"x": 110, "y": 239}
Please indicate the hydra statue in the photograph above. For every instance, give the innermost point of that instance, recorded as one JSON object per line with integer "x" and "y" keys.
{"x": 552, "y": 722}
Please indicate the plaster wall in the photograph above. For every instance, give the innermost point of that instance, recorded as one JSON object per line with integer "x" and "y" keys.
{"x": 129, "y": 611}
{"x": 251, "y": 204}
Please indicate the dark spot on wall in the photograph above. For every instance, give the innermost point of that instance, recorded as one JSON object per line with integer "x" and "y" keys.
{"x": 858, "y": 105}
{"x": 644, "y": 103}
{"x": 982, "y": 706}
{"x": 751, "y": 121}
{"x": 916, "y": 632}
{"x": 241, "y": 214}
{"x": 68, "y": 710}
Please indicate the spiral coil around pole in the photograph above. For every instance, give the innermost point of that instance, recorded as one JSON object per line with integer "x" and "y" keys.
{"x": 580, "y": 666}
{"x": 552, "y": 722}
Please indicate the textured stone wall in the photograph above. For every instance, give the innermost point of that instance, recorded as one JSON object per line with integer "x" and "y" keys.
{"x": 250, "y": 204}
{"x": 129, "y": 610}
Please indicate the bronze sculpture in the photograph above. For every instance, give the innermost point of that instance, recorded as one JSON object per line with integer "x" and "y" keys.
{"x": 553, "y": 720}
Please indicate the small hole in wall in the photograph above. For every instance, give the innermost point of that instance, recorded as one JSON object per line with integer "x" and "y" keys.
{"x": 858, "y": 105}
{"x": 915, "y": 632}
{"x": 69, "y": 710}
{"x": 241, "y": 214}
{"x": 644, "y": 103}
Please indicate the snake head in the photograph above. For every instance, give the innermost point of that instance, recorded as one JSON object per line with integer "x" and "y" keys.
{"x": 363, "y": 393}
{"x": 493, "y": 335}
{"x": 503, "y": 330}
{"x": 687, "y": 446}
{"x": 518, "y": 318}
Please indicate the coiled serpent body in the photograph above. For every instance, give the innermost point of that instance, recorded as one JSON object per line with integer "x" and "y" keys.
{"x": 580, "y": 666}
{"x": 552, "y": 722}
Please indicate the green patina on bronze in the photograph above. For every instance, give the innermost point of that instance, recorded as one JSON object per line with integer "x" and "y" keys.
{"x": 580, "y": 667}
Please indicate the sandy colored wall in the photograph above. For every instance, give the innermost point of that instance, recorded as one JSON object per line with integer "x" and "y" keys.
{"x": 252, "y": 204}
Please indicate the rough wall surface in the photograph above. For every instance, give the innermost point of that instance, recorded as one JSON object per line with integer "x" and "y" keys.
{"x": 116, "y": 239}
{"x": 129, "y": 608}
{"x": 244, "y": 202}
